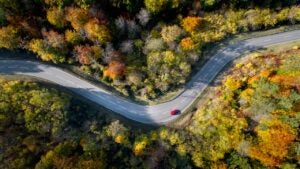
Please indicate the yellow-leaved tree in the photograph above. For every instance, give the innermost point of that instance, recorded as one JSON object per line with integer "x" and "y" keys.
{"x": 96, "y": 31}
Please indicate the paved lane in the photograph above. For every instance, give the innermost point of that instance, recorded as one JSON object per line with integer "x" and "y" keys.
{"x": 156, "y": 114}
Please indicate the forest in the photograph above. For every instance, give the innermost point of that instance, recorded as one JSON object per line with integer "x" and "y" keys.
{"x": 143, "y": 49}
{"x": 250, "y": 121}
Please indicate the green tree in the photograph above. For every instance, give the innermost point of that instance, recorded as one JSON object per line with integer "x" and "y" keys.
{"x": 11, "y": 6}
{"x": 3, "y": 20}
{"x": 237, "y": 161}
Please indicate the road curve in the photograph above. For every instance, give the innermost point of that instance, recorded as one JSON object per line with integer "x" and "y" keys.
{"x": 156, "y": 114}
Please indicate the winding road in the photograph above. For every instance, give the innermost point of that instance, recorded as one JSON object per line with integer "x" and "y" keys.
{"x": 156, "y": 114}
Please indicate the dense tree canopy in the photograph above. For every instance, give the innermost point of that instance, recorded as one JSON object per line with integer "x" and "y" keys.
{"x": 162, "y": 40}
{"x": 231, "y": 130}
{"x": 144, "y": 49}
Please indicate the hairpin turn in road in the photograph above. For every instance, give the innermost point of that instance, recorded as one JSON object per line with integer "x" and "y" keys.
{"x": 156, "y": 114}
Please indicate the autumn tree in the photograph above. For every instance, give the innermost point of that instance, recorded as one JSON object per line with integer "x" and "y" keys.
{"x": 171, "y": 33}
{"x": 187, "y": 44}
{"x": 275, "y": 138}
{"x": 115, "y": 69}
{"x": 52, "y": 48}
{"x": 60, "y": 156}
{"x": 153, "y": 44}
{"x": 232, "y": 84}
{"x": 73, "y": 37}
{"x": 77, "y": 17}
{"x": 97, "y": 32}
{"x": 294, "y": 14}
{"x": 117, "y": 131}
{"x": 86, "y": 54}
{"x": 140, "y": 145}
{"x": 9, "y": 37}
{"x": 191, "y": 23}
{"x": 55, "y": 40}
{"x": 82, "y": 54}
{"x": 135, "y": 77}
{"x": 56, "y": 16}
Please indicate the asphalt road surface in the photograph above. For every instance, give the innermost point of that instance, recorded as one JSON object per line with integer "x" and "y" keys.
{"x": 156, "y": 114}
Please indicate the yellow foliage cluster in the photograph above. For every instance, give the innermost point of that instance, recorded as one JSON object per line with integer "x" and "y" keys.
{"x": 77, "y": 16}
{"x": 55, "y": 16}
{"x": 169, "y": 57}
{"x": 9, "y": 37}
{"x": 232, "y": 83}
{"x": 139, "y": 147}
{"x": 171, "y": 33}
{"x": 238, "y": 65}
{"x": 246, "y": 94}
{"x": 191, "y": 23}
{"x": 7, "y": 86}
{"x": 120, "y": 138}
{"x": 72, "y": 36}
{"x": 181, "y": 149}
{"x": 249, "y": 65}
{"x": 295, "y": 47}
{"x": 96, "y": 31}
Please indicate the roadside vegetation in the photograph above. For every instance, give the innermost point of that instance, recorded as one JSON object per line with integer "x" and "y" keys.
{"x": 250, "y": 121}
{"x": 141, "y": 48}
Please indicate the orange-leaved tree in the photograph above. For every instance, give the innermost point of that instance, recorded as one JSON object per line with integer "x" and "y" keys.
{"x": 191, "y": 23}
{"x": 115, "y": 69}
{"x": 187, "y": 43}
{"x": 274, "y": 139}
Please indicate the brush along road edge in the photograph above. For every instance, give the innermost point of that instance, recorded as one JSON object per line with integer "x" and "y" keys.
{"x": 155, "y": 114}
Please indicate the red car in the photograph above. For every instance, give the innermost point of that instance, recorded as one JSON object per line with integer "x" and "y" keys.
{"x": 174, "y": 112}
